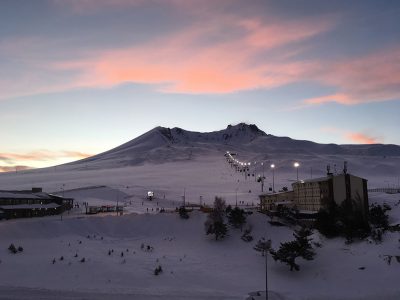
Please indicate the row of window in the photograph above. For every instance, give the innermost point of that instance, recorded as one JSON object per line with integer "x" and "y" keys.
{"x": 23, "y": 201}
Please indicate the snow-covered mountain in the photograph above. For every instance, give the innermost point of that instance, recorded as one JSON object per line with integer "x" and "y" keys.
{"x": 165, "y": 144}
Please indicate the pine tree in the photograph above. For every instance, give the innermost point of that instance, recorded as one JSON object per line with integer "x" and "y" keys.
{"x": 300, "y": 247}
{"x": 378, "y": 216}
{"x": 237, "y": 217}
{"x": 305, "y": 249}
{"x": 215, "y": 221}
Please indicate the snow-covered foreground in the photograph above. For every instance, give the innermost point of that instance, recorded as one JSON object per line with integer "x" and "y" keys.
{"x": 194, "y": 265}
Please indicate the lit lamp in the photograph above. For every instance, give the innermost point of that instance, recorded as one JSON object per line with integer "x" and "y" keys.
{"x": 297, "y": 165}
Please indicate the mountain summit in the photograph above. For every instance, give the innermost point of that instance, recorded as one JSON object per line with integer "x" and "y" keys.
{"x": 233, "y": 134}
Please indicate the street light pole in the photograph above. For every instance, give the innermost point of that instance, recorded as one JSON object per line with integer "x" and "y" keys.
{"x": 297, "y": 165}
{"x": 266, "y": 275}
{"x": 267, "y": 247}
{"x": 255, "y": 172}
{"x": 263, "y": 169}
{"x": 273, "y": 178}
{"x": 262, "y": 179}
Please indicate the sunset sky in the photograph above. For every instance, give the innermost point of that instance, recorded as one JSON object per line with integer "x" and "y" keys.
{"x": 78, "y": 77}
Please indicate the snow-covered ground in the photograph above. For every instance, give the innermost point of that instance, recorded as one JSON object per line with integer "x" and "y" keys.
{"x": 195, "y": 266}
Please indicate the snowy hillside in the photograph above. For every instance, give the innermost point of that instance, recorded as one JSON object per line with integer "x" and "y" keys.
{"x": 161, "y": 144}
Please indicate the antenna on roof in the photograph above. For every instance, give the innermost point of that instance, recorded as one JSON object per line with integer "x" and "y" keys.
{"x": 328, "y": 170}
{"x": 345, "y": 167}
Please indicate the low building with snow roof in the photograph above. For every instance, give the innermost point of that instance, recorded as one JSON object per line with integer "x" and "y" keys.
{"x": 31, "y": 203}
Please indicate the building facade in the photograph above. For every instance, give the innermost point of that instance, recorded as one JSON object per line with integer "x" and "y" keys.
{"x": 32, "y": 203}
{"x": 270, "y": 202}
{"x": 316, "y": 194}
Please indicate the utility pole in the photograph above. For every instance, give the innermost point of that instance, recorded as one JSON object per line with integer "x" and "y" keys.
{"x": 268, "y": 246}
{"x": 263, "y": 177}
{"x": 62, "y": 202}
{"x": 117, "y": 203}
{"x": 236, "y": 197}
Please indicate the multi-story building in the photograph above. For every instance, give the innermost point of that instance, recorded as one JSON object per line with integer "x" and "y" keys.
{"x": 315, "y": 194}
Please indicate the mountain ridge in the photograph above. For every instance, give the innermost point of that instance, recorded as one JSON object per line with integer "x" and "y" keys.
{"x": 162, "y": 144}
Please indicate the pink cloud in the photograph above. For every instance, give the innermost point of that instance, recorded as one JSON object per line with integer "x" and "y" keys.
{"x": 277, "y": 34}
{"x": 361, "y": 138}
{"x": 353, "y": 137}
{"x": 371, "y": 78}
{"x": 220, "y": 52}
{"x": 181, "y": 64}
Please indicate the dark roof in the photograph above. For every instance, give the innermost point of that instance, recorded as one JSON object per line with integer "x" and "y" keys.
{"x": 28, "y": 195}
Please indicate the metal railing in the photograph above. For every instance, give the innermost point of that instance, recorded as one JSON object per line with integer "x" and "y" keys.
{"x": 385, "y": 190}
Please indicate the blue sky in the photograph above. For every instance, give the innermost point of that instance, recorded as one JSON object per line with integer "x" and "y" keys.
{"x": 79, "y": 77}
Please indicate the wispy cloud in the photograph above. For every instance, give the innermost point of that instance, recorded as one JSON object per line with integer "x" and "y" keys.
{"x": 42, "y": 155}
{"x": 371, "y": 78}
{"x": 14, "y": 168}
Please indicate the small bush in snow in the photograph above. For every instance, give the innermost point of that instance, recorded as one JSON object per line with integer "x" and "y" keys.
{"x": 12, "y": 249}
{"x": 158, "y": 270}
{"x": 20, "y": 249}
{"x": 262, "y": 246}
{"x": 183, "y": 213}
{"x": 246, "y": 236}
{"x": 376, "y": 235}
